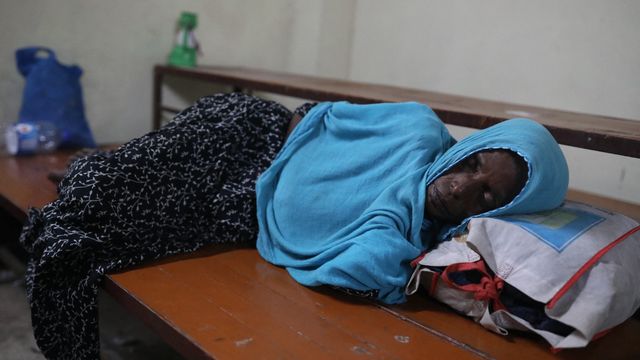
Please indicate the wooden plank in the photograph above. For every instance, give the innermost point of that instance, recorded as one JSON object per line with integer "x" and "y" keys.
{"x": 233, "y": 304}
{"x": 220, "y": 300}
{"x": 629, "y": 209}
{"x": 621, "y": 343}
{"x": 602, "y": 133}
{"x": 170, "y": 109}
{"x": 156, "y": 115}
{"x": 24, "y": 184}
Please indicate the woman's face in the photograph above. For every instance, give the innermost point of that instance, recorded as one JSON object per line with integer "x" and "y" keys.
{"x": 481, "y": 182}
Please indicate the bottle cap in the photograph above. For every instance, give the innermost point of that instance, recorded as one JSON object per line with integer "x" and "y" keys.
{"x": 188, "y": 20}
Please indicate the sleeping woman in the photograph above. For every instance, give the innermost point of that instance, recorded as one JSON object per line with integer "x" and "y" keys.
{"x": 347, "y": 199}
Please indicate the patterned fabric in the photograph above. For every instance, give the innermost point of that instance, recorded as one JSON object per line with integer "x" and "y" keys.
{"x": 365, "y": 294}
{"x": 171, "y": 191}
{"x": 303, "y": 109}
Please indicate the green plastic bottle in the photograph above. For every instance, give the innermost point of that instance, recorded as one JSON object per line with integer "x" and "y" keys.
{"x": 186, "y": 48}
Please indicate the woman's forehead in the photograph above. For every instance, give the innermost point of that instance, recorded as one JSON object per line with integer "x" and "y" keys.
{"x": 499, "y": 154}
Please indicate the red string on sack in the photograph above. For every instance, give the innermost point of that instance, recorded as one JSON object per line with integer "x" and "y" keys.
{"x": 488, "y": 289}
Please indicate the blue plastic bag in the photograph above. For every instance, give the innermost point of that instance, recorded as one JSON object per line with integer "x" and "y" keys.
{"x": 52, "y": 93}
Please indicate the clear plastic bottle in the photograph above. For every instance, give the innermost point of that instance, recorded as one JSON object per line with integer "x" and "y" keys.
{"x": 28, "y": 138}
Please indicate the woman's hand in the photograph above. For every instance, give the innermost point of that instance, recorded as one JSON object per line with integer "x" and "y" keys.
{"x": 295, "y": 120}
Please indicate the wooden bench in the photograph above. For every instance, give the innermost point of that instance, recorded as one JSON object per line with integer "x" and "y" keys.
{"x": 229, "y": 303}
{"x": 602, "y": 133}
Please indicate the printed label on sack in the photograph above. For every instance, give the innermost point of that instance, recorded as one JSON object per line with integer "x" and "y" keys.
{"x": 557, "y": 228}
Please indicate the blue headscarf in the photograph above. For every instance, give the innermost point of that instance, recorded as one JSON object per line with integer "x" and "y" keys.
{"x": 548, "y": 174}
{"x": 343, "y": 202}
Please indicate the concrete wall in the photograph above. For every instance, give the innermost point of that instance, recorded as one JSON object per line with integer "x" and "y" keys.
{"x": 117, "y": 42}
{"x": 577, "y": 55}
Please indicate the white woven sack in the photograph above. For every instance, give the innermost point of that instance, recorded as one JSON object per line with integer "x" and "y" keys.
{"x": 582, "y": 262}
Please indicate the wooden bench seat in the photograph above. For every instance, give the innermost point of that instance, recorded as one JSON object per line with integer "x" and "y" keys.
{"x": 229, "y": 303}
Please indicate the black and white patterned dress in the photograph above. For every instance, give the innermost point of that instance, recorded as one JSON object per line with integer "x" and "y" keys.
{"x": 189, "y": 184}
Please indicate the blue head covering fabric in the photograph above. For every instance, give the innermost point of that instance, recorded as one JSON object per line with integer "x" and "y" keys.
{"x": 343, "y": 202}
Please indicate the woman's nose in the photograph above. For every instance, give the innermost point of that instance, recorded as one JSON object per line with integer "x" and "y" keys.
{"x": 464, "y": 186}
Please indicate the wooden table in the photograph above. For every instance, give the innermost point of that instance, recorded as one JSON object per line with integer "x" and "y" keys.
{"x": 229, "y": 303}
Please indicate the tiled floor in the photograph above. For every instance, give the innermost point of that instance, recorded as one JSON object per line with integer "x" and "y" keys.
{"x": 122, "y": 337}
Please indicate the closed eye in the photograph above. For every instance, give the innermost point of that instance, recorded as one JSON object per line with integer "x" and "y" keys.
{"x": 488, "y": 198}
{"x": 472, "y": 163}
